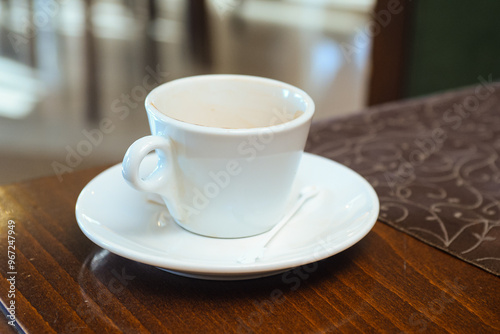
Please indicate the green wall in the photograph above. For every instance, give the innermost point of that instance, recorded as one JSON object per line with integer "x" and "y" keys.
{"x": 452, "y": 43}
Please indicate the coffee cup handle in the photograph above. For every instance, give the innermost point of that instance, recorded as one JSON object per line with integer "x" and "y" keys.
{"x": 155, "y": 182}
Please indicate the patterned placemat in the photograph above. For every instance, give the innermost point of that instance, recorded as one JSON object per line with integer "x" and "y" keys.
{"x": 435, "y": 165}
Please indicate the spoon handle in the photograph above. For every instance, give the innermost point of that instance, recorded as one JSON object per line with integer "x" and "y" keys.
{"x": 257, "y": 252}
{"x": 305, "y": 195}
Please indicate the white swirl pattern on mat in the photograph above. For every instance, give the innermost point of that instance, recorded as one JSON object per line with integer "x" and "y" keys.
{"x": 436, "y": 170}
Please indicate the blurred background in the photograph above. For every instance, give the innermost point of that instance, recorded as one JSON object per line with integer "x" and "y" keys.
{"x": 74, "y": 73}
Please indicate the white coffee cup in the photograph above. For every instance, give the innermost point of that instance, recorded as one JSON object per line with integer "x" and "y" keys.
{"x": 231, "y": 176}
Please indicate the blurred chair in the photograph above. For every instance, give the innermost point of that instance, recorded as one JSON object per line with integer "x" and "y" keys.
{"x": 390, "y": 52}
{"x": 199, "y": 43}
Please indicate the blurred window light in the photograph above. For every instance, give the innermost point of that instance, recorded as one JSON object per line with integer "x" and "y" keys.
{"x": 72, "y": 18}
{"x": 304, "y": 15}
{"x": 19, "y": 89}
{"x": 352, "y": 5}
{"x": 326, "y": 61}
{"x": 111, "y": 19}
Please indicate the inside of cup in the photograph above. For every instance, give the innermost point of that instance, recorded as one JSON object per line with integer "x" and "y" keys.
{"x": 230, "y": 102}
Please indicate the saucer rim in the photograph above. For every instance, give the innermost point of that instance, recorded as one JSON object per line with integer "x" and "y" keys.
{"x": 234, "y": 269}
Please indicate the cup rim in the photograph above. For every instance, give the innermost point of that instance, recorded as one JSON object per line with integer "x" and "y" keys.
{"x": 302, "y": 119}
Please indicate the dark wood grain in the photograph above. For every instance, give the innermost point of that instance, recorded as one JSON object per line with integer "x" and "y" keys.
{"x": 388, "y": 282}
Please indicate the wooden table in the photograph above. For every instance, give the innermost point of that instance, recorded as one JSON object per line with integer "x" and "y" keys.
{"x": 388, "y": 282}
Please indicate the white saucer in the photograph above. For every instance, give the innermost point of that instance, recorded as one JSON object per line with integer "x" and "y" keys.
{"x": 123, "y": 221}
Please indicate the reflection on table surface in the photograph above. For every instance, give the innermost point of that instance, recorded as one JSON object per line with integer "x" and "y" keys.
{"x": 67, "y": 66}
